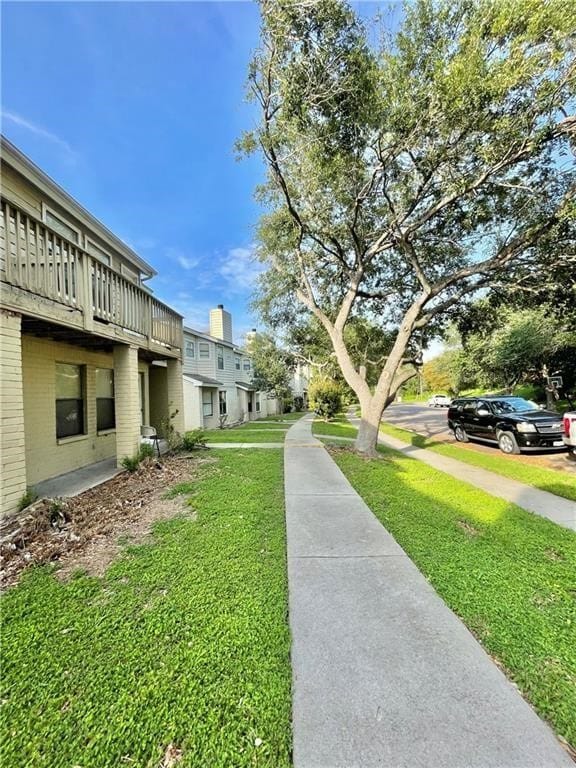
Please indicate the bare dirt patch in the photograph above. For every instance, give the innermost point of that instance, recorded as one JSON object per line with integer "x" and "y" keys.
{"x": 87, "y": 531}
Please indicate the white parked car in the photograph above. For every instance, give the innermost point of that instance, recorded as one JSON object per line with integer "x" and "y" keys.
{"x": 439, "y": 401}
{"x": 569, "y": 423}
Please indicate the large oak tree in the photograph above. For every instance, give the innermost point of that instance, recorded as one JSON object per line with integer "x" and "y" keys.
{"x": 405, "y": 175}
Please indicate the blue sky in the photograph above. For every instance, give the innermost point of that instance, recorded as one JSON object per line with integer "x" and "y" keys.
{"x": 134, "y": 109}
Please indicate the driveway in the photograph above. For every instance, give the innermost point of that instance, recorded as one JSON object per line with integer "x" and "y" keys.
{"x": 433, "y": 423}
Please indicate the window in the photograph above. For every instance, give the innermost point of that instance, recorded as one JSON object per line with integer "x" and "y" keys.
{"x": 222, "y": 403}
{"x": 58, "y": 224}
{"x": 237, "y": 362}
{"x": 246, "y": 364}
{"x": 203, "y": 350}
{"x": 190, "y": 349}
{"x": 105, "y": 413}
{"x": 95, "y": 250}
{"x": 207, "y": 406}
{"x": 69, "y": 400}
{"x": 220, "y": 356}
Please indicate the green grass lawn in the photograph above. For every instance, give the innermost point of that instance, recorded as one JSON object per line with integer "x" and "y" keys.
{"x": 507, "y": 573}
{"x": 184, "y": 641}
{"x": 241, "y": 435}
{"x": 252, "y": 425}
{"x": 554, "y": 481}
{"x": 338, "y": 427}
{"x": 286, "y": 416}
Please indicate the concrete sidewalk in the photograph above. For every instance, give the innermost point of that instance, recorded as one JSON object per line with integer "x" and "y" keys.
{"x": 384, "y": 674}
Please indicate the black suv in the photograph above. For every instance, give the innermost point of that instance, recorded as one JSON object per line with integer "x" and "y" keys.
{"x": 512, "y": 422}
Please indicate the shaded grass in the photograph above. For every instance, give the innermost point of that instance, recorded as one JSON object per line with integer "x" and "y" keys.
{"x": 549, "y": 480}
{"x": 183, "y": 642}
{"x": 507, "y": 573}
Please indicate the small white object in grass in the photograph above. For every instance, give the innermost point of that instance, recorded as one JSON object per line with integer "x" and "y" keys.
{"x": 257, "y": 742}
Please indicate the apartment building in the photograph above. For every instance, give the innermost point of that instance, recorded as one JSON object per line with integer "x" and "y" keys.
{"x": 218, "y": 378}
{"x": 87, "y": 353}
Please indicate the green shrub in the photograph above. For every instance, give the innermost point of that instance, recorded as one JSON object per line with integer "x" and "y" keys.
{"x": 28, "y": 498}
{"x": 146, "y": 452}
{"x": 195, "y": 438}
{"x": 131, "y": 463}
{"x": 325, "y": 397}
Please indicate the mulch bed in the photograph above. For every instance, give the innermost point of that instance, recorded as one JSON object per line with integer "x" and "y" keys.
{"x": 51, "y": 530}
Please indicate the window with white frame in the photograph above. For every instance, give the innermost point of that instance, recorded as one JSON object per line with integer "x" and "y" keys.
{"x": 220, "y": 357}
{"x": 237, "y": 362}
{"x": 69, "y": 399}
{"x": 247, "y": 365}
{"x": 190, "y": 349}
{"x": 207, "y": 402}
{"x": 203, "y": 350}
{"x": 222, "y": 403}
{"x": 105, "y": 411}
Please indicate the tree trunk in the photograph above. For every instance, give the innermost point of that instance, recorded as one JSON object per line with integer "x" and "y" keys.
{"x": 367, "y": 439}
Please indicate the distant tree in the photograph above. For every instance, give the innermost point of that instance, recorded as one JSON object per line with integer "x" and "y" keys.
{"x": 404, "y": 179}
{"x": 272, "y": 366}
{"x": 520, "y": 349}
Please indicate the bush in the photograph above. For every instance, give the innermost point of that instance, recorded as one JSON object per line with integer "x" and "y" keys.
{"x": 195, "y": 438}
{"x": 325, "y": 397}
{"x": 26, "y": 499}
{"x": 131, "y": 463}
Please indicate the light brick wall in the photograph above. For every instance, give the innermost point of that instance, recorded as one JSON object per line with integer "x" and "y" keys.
{"x": 46, "y": 456}
{"x": 13, "y": 457}
{"x": 127, "y": 394}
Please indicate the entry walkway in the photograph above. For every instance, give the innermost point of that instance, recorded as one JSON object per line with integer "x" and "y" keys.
{"x": 384, "y": 674}
{"x": 77, "y": 481}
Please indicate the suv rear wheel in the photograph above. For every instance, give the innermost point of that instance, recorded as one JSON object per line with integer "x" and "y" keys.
{"x": 507, "y": 443}
{"x": 460, "y": 434}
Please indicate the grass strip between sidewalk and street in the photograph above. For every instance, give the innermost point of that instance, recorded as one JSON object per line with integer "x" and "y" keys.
{"x": 183, "y": 642}
{"x": 551, "y": 480}
{"x": 507, "y": 573}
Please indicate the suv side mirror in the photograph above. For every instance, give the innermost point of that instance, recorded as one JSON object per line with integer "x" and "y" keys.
{"x": 483, "y": 412}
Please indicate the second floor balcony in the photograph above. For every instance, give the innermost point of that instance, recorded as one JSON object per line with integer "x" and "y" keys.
{"x": 39, "y": 262}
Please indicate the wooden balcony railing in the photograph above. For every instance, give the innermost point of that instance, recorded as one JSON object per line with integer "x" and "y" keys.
{"x": 39, "y": 260}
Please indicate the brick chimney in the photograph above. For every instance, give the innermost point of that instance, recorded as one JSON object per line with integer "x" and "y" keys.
{"x": 221, "y": 323}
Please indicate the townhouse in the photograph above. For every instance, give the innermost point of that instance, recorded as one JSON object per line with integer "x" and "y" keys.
{"x": 218, "y": 387}
{"x": 88, "y": 354}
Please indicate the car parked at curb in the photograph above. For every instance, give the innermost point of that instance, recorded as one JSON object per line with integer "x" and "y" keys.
{"x": 569, "y": 421}
{"x": 512, "y": 423}
{"x": 439, "y": 401}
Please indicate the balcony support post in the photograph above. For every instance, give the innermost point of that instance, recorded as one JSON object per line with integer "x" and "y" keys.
{"x": 176, "y": 393}
{"x": 126, "y": 401}
{"x": 13, "y": 485}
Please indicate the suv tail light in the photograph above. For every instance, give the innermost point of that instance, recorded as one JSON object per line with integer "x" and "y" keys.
{"x": 567, "y": 422}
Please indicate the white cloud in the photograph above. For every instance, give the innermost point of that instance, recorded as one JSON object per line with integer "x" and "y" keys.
{"x": 240, "y": 269}
{"x": 13, "y": 117}
{"x": 182, "y": 259}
